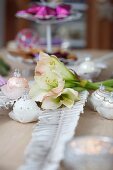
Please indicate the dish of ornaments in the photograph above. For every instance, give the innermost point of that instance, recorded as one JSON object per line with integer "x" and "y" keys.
{"x": 45, "y": 14}
{"x": 31, "y": 56}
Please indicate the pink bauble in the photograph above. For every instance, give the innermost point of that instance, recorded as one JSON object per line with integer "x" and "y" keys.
{"x": 17, "y": 82}
{"x": 27, "y": 39}
{"x": 13, "y": 93}
{"x": 15, "y": 87}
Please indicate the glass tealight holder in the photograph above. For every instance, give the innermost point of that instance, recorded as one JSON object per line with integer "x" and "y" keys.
{"x": 89, "y": 153}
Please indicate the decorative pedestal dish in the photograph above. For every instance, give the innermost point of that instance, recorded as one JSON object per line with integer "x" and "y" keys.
{"x": 47, "y": 15}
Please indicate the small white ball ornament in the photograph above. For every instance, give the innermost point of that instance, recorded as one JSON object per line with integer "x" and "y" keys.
{"x": 25, "y": 110}
{"x": 106, "y": 108}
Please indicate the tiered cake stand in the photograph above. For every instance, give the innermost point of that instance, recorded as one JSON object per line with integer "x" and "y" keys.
{"x": 48, "y": 24}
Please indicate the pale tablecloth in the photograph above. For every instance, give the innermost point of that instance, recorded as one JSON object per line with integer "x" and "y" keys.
{"x": 14, "y": 136}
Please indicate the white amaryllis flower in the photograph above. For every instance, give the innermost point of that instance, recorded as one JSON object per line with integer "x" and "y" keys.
{"x": 52, "y": 80}
{"x": 67, "y": 98}
{"x": 46, "y": 85}
{"x": 48, "y": 63}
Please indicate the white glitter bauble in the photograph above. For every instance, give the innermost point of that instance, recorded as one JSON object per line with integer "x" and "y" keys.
{"x": 25, "y": 110}
{"x": 97, "y": 97}
{"x": 106, "y": 108}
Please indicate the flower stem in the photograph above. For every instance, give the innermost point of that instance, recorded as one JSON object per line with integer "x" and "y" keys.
{"x": 79, "y": 89}
{"x": 106, "y": 83}
{"x": 94, "y": 86}
{"x": 87, "y": 85}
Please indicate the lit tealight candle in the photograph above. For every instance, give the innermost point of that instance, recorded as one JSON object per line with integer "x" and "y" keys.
{"x": 89, "y": 153}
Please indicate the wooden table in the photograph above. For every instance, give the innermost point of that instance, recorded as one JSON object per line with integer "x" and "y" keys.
{"x": 14, "y": 136}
